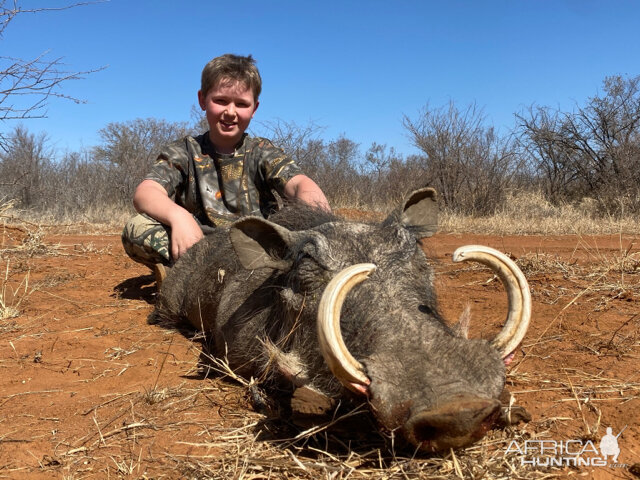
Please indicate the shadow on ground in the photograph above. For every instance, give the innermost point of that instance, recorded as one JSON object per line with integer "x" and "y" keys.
{"x": 142, "y": 287}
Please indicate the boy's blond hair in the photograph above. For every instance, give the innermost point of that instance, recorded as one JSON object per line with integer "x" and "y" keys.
{"x": 232, "y": 67}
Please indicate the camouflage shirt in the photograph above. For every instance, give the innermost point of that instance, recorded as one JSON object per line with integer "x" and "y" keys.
{"x": 218, "y": 188}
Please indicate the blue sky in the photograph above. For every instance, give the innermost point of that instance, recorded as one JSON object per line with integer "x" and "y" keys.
{"x": 353, "y": 67}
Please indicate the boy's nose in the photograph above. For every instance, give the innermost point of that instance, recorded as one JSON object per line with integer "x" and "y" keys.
{"x": 231, "y": 110}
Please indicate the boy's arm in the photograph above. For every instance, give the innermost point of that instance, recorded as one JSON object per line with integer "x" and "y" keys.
{"x": 306, "y": 190}
{"x": 151, "y": 198}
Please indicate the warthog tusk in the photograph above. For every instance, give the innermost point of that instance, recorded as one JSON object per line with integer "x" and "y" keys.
{"x": 519, "y": 313}
{"x": 347, "y": 369}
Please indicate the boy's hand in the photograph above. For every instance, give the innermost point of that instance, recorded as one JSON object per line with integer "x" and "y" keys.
{"x": 151, "y": 198}
{"x": 185, "y": 232}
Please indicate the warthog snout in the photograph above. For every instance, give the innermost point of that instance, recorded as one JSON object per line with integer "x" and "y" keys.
{"x": 452, "y": 425}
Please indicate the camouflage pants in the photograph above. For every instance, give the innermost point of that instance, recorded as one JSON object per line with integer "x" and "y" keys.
{"x": 146, "y": 241}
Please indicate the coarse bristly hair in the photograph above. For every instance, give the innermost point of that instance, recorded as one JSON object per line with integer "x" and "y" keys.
{"x": 296, "y": 215}
{"x": 232, "y": 68}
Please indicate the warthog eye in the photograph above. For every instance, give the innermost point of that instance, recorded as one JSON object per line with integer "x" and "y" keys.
{"x": 426, "y": 309}
{"x": 302, "y": 255}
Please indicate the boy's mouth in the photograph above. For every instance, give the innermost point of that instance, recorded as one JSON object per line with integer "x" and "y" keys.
{"x": 227, "y": 125}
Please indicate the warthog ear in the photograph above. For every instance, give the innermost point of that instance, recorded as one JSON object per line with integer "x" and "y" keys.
{"x": 418, "y": 213}
{"x": 261, "y": 244}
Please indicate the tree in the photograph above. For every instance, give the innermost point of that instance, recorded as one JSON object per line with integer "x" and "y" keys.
{"x": 551, "y": 161}
{"x": 79, "y": 183}
{"x": 390, "y": 176}
{"x": 378, "y": 160}
{"x": 343, "y": 154}
{"x": 23, "y": 165}
{"x": 465, "y": 160}
{"x": 301, "y": 142}
{"x": 133, "y": 146}
{"x": 592, "y": 151}
{"x": 199, "y": 123}
{"x": 26, "y": 85}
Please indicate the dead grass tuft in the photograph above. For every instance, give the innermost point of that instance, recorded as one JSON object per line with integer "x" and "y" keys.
{"x": 6, "y": 205}
{"x": 113, "y": 216}
{"x": 604, "y": 277}
{"x": 528, "y": 213}
{"x": 31, "y": 245}
{"x": 158, "y": 395}
{"x": 91, "y": 248}
{"x": 623, "y": 341}
{"x": 538, "y": 263}
{"x": 244, "y": 456}
{"x": 258, "y": 447}
{"x": 12, "y": 298}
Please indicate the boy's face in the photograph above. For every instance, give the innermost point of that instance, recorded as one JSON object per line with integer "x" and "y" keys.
{"x": 229, "y": 108}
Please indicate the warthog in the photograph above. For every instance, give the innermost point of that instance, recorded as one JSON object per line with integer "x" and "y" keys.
{"x": 349, "y": 310}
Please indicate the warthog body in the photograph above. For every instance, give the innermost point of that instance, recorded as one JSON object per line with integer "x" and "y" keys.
{"x": 256, "y": 290}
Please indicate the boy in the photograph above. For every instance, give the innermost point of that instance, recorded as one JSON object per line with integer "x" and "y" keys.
{"x": 214, "y": 178}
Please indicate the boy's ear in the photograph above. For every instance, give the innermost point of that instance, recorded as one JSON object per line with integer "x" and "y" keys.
{"x": 255, "y": 108}
{"x": 201, "y": 99}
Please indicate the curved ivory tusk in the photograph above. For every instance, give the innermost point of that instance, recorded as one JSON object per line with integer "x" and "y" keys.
{"x": 347, "y": 369}
{"x": 519, "y": 314}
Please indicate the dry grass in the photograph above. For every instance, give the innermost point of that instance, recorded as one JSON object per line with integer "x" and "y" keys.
{"x": 91, "y": 221}
{"x": 254, "y": 446}
{"x": 249, "y": 458}
{"x": 527, "y": 213}
{"x": 601, "y": 280}
{"x": 238, "y": 443}
{"x": 6, "y": 205}
{"x": 11, "y": 298}
{"x": 539, "y": 263}
{"x": 524, "y": 213}
{"x": 248, "y": 445}
{"x": 594, "y": 275}
{"x": 603, "y": 277}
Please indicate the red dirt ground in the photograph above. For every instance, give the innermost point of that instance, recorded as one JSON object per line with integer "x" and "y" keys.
{"x": 89, "y": 390}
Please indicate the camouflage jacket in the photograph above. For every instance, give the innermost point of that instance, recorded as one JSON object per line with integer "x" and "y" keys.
{"x": 218, "y": 188}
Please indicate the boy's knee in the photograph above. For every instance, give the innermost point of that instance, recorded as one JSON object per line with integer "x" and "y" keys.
{"x": 146, "y": 240}
{"x": 138, "y": 225}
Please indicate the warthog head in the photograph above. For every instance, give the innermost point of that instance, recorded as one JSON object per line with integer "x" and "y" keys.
{"x": 349, "y": 310}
